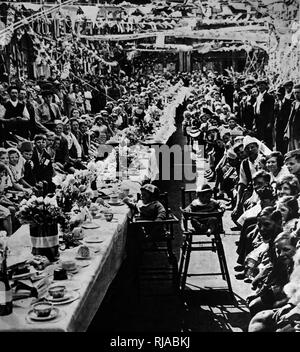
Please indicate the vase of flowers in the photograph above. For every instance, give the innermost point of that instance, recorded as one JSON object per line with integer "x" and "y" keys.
{"x": 43, "y": 216}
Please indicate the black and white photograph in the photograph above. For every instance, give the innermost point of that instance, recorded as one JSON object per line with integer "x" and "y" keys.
{"x": 150, "y": 169}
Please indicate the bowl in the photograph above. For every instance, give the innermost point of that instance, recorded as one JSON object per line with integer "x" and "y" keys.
{"x": 57, "y": 291}
{"x": 114, "y": 198}
{"x": 42, "y": 309}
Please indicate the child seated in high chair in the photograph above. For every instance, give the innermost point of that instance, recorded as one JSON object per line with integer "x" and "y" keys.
{"x": 149, "y": 208}
{"x": 204, "y": 203}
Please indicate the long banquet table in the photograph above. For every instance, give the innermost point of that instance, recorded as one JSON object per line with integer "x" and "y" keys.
{"x": 92, "y": 281}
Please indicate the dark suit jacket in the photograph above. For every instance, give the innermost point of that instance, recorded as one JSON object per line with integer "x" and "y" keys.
{"x": 43, "y": 170}
{"x": 62, "y": 153}
{"x": 29, "y": 175}
{"x": 282, "y": 116}
{"x": 294, "y": 128}
{"x": 266, "y": 115}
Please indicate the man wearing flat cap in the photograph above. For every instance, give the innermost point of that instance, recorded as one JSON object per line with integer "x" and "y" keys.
{"x": 264, "y": 113}
{"x": 292, "y": 131}
{"x": 249, "y": 166}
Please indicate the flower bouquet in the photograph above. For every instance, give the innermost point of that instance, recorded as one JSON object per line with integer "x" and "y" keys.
{"x": 74, "y": 189}
{"x": 43, "y": 216}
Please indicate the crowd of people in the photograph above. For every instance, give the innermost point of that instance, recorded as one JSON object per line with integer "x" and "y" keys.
{"x": 250, "y": 136}
{"x": 53, "y": 126}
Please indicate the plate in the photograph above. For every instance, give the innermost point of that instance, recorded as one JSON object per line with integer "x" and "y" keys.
{"x": 93, "y": 239}
{"x": 70, "y": 285}
{"x": 61, "y": 299}
{"x": 54, "y": 313}
{"x": 73, "y": 296}
{"x": 90, "y": 226}
{"x": 116, "y": 204}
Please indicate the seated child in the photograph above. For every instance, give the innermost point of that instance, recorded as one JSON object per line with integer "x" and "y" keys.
{"x": 204, "y": 203}
{"x": 16, "y": 167}
{"x": 149, "y": 208}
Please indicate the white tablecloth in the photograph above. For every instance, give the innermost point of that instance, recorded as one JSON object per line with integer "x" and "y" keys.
{"x": 92, "y": 281}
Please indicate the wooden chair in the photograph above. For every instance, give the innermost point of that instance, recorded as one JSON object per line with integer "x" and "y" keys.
{"x": 212, "y": 243}
{"x": 162, "y": 243}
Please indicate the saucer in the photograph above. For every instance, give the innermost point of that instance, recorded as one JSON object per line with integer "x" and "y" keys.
{"x": 60, "y": 299}
{"x": 115, "y": 203}
{"x": 93, "y": 239}
{"x": 90, "y": 226}
{"x": 74, "y": 271}
{"x": 84, "y": 263}
{"x": 73, "y": 296}
{"x": 53, "y": 314}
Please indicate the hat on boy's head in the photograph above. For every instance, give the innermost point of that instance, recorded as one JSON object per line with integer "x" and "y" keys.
{"x": 65, "y": 120}
{"x": 249, "y": 140}
{"x": 58, "y": 122}
{"x": 204, "y": 189}
{"x": 150, "y": 188}
{"x": 26, "y": 147}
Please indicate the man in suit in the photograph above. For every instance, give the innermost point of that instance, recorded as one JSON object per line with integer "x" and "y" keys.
{"x": 48, "y": 111}
{"x": 283, "y": 108}
{"x": 292, "y": 131}
{"x": 264, "y": 114}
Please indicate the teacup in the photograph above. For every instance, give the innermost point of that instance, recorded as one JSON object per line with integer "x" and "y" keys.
{"x": 69, "y": 265}
{"x": 42, "y": 309}
{"x": 77, "y": 233}
{"x": 108, "y": 216}
{"x": 114, "y": 198}
{"x": 57, "y": 291}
